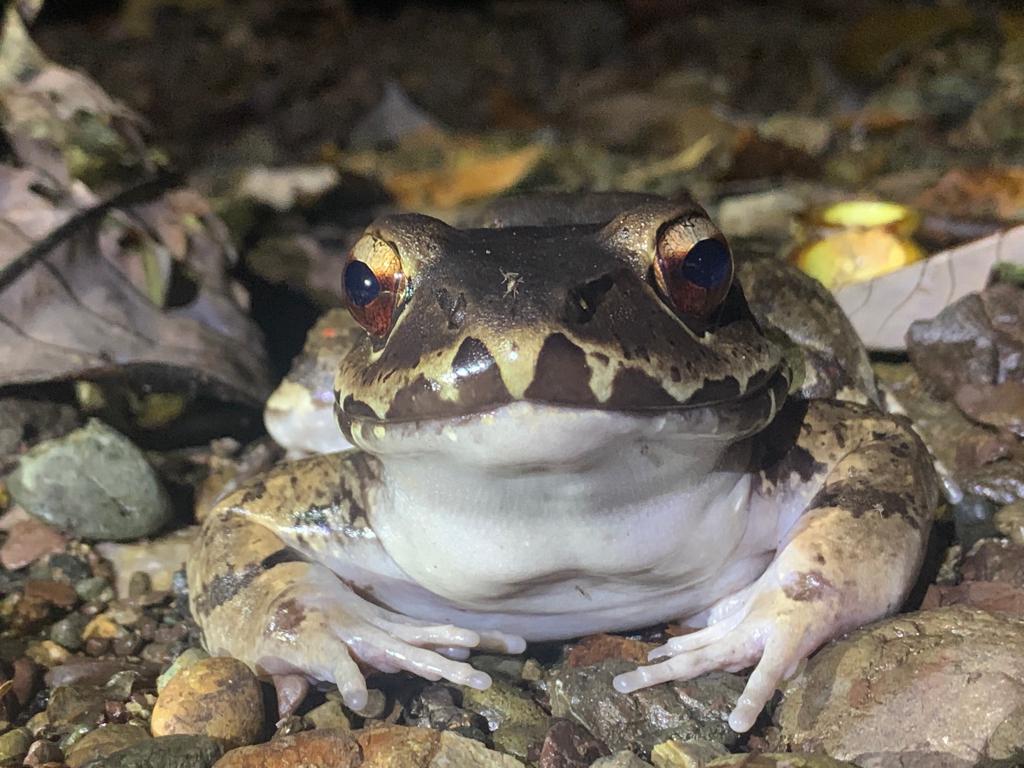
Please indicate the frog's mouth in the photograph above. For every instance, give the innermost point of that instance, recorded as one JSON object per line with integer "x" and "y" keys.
{"x": 529, "y": 432}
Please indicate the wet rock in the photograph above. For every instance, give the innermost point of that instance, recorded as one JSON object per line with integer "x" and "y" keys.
{"x": 622, "y": 759}
{"x": 29, "y": 540}
{"x": 182, "y": 662}
{"x": 395, "y": 745}
{"x": 43, "y": 753}
{"x": 69, "y": 706}
{"x": 597, "y": 648}
{"x": 933, "y": 689}
{"x": 329, "y": 715}
{"x": 994, "y": 596}
{"x": 25, "y": 680}
{"x": 217, "y": 697}
{"x": 983, "y": 462}
{"x": 566, "y": 745}
{"x": 104, "y": 742}
{"x": 54, "y": 592}
{"x": 98, "y": 672}
{"x": 685, "y": 754}
{"x": 696, "y": 709}
{"x": 178, "y": 751}
{"x": 435, "y": 707}
{"x": 14, "y": 745}
{"x": 93, "y": 483}
{"x": 1009, "y": 521}
{"x": 94, "y": 588}
{"x": 517, "y": 724}
{"x": 787, "y": 760}
{"x": 995, "y": 560}
{"x": 68, "y": 631}
{"x": 335, "y": 748}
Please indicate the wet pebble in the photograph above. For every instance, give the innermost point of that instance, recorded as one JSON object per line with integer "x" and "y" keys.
{"x": 436, "y": 707}
{"x": 786, "y": 760}
{"x": 695, "y": 709}
{"x": 179, "y": 751}
{"x": 93, "y": 483}
{"x": 397, "y": 745}
{"x": 597, "y": 648}
{"x": 103, "y": 742}
{"x": 14, "y": 745}
{"x": 98, "y": 671}
{"x": 54, "y": 592}
{"x": 68, "y": 631}
{"x": 27, "y": 541}
{"x": 217, "y": 697}
{"x": 329, "y": 715}
{"x": 43, "y": 752}
{"x": 328, "y": 748}
{"x": 182, "y": 662}
{"x": 517, "y": 724}
{"x": 941, "y": 687}
{"x": 94, "y": 588}
{"x": 685, "y": 754}
{"x": 569, "y": 746}
{"x": 622, "y": 759}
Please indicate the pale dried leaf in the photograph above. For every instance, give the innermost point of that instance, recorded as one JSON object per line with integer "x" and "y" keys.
{"x": 883, "y": 309}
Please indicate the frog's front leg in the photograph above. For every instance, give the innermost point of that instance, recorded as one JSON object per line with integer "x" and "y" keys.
{"x": 868, "y": 491}
{"x": 276, "y": 579}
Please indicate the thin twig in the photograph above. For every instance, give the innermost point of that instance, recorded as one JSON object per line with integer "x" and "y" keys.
{"x": 144, "y": 191}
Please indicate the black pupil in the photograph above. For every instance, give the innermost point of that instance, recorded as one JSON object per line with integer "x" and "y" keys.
{"x": 361, "y": 285}
{"x": 707, "y": 264}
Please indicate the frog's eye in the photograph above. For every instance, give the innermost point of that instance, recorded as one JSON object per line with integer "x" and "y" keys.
{"x": 374, "y": 283}
{"x": 693, "y": 270}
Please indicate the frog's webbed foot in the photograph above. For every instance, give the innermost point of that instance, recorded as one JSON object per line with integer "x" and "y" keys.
{"x": 851, "y": 558}
{"x": 768, "y": 629}
{"x": 315, "y": 625}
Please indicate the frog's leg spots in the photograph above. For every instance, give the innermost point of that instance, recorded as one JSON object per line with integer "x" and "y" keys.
{"x": 260, "y": 593}
{"x": 851, "y": 558}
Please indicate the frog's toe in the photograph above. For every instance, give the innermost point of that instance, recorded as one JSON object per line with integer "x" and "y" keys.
{"x": 351, "y": 683}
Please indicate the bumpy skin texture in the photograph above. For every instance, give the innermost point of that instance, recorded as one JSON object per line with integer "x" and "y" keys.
{"x": 614, "y": 466}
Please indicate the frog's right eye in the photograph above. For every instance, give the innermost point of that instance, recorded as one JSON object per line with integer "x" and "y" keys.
{"x": 374, "y": 282}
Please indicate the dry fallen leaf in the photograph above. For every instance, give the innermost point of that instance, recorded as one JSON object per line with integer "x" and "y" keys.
{"x": 883, "y": 309}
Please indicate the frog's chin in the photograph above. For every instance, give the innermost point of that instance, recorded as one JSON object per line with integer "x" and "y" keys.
{"x": 526, "y": 434}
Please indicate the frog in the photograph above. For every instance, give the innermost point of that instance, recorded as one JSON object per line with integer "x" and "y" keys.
{"x": 567, "y": 415}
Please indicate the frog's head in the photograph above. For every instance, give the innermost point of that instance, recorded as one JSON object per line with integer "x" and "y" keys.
{"x": 635, "y": 315}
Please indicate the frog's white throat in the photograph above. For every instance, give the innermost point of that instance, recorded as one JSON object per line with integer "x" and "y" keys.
{"x": 504, "y": 509}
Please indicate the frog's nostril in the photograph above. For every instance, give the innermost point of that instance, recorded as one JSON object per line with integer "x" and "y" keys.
{"x": 582, "y": 301}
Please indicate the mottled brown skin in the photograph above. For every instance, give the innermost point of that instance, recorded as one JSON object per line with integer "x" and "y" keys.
{"x": 841, "y": 496}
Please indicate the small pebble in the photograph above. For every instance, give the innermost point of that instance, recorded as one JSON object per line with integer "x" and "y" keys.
{"x": 103, "y": 626}
{"x": 330, "y": 714}
{"x": 43, "y": 752}
{"x": 68, "y": 631}
{"x": 97, "y": 646}
{"x": 166, "y": 752}
{"x": 104, "y": 741}
{"x": 94, "y": 588}
{"x": 127, "y": 645}
{"x": 14, "y": 745}
{"x": 217, "y": 697}
{"x": 54, "y": 592}
{"x": 47, "y": 653}
{"x": 376, "y": 704}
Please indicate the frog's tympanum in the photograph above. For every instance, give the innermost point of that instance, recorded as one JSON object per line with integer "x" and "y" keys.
{"x": 576, "y": 415}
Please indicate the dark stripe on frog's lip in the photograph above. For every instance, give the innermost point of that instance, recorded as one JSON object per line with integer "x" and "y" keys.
{"x": 738, "y": 414}
{"x": 562, "y": 378}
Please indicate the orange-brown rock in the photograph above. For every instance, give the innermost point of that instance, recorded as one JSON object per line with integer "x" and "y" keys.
{"x": 327, "y": 748}
{"x": 218, "y": 697}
